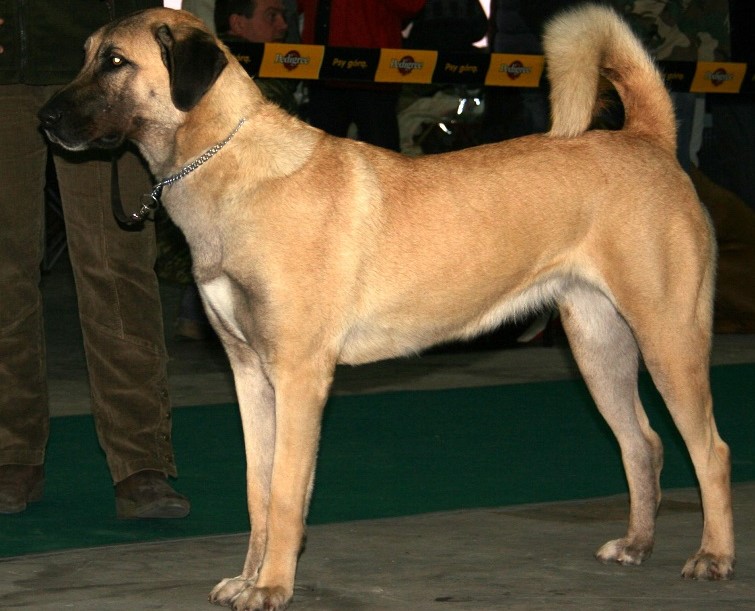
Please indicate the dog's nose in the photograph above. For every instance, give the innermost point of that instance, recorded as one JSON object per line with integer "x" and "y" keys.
{"x": 49, "y": 116}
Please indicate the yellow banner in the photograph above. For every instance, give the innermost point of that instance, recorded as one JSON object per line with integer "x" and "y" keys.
{"x": 406, "y": 66}
{"x": 718, "y": 77}
{"x": 508, "y": 70}
{"x": 291, "y": 61}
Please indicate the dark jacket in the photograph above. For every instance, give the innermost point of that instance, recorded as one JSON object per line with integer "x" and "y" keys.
{"x": 43, "y": 39}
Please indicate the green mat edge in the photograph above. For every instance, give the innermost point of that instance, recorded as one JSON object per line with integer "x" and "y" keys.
{"x": 79, "y": 511}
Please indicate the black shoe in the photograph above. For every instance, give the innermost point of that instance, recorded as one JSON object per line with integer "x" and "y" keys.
{"x": 19, "y": 486}
{"x": 147, "y": 494}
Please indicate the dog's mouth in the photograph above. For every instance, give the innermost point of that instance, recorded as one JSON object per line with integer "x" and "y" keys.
{"x": 53, "y": 137}
{"x": 108, "y": 141}
{"x": 75, "y": 143}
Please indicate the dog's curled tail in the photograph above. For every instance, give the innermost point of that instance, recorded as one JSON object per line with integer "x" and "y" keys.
{"x": 584, "y": 43}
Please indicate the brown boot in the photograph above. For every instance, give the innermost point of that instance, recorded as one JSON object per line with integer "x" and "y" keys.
{"x": 147, "y": 494}
{"x": 19, "y": 486}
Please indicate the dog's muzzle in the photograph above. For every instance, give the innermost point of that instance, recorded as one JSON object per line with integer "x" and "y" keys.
{"x": 72, "y": 125}
{"x": 50, "y": 119}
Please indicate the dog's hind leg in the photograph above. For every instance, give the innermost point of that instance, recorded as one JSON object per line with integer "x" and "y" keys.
{"x": 677, "y": 356}
{"x": 607, "y": 355}
{"x": 257, "y": 408}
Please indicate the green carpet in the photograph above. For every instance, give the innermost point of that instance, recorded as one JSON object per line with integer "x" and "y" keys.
{"x": 381, "y": 455}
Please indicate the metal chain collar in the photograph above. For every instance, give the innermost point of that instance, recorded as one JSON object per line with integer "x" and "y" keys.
{"x": 151, "y": 201}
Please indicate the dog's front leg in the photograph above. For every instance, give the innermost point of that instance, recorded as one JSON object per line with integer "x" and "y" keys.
{"x": 301, "y": 389}
{"x": 257, "y": 407}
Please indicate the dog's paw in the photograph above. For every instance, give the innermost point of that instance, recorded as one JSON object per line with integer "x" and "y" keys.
{"x": 623, "y": 552}
{"x": 704, "y": 565}
{"x": 262, "y": 599}
{"x": 241, "y": 595}
{"x": 226, "y": 592}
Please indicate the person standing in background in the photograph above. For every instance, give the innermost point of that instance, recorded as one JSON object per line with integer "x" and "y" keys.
{"x": 333, "y": 107}
{"x": 205, "y": 10}
{"x": 258, "y": 21}
{"x": 251, "y": 20}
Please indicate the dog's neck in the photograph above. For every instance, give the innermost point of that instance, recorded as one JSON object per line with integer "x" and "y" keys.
{"x": 174, "y": 138}
{"x": 151, "y": 201}
{"x": 189, "y": 146}
{"x": 278, "y": 142}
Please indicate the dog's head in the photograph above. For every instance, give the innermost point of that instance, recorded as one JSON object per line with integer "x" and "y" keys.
{"x": 141, "y": 73}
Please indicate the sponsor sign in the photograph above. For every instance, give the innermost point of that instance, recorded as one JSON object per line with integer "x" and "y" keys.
{"x": 406, "y": 66}
{"x": 312, "y": 62}
{"x": 461, "y": 68}
{"x": 508, "y": 70}
{"x": 677, "y": 75}
{"x": 349, "y": 64}
{"x": 291, "y": 61}
{"x": 248, "y": 54}
{"x": 718, "y": 77}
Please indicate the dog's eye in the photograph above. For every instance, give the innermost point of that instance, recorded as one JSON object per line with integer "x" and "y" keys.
{"x": 114, "y": 61}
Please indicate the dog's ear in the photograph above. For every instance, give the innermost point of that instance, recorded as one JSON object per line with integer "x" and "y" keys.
{"x": 193, "y": 61}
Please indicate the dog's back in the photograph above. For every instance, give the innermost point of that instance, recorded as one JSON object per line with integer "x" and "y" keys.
{"x": 588, "y": 42}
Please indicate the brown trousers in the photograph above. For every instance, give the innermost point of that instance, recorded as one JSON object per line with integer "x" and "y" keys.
{"x": 119, "y": 303}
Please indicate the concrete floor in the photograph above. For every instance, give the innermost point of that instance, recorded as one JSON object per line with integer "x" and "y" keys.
{"x": 520, "y": 557}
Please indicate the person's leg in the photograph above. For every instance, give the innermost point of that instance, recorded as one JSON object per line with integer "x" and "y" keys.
{"x": 120, "y": 312}
{"x": 124, "y": 342}
{"x": 192, "y": 323}
{"x": 24, "y": 418}
{"x": 23, "y": 395}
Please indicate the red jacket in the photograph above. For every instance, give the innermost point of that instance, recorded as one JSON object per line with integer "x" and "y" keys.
{"x": 361, "y": 23}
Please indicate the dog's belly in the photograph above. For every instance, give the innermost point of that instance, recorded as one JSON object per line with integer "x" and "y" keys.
{"x": 411, "y": 330}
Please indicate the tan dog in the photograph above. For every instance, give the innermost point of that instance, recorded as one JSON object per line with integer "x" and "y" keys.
{"x": 311, "y": 250}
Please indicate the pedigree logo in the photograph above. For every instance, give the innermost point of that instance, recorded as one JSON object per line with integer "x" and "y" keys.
{"x": 406, "y": 65}
{"x": 718, "y": 77}
{"x": 514, "y": 70}
{"x": 291, "y": 61}
{"x": 398, "y": 66}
